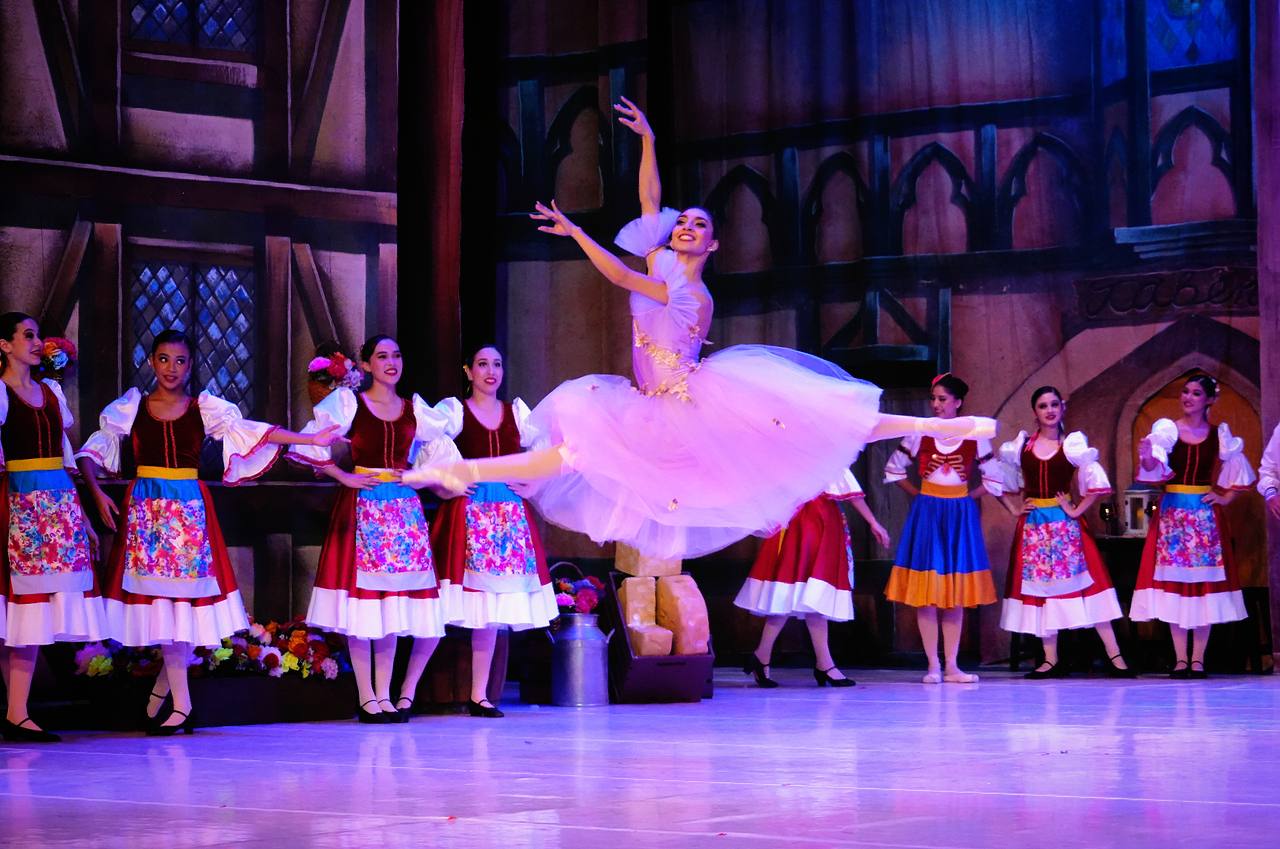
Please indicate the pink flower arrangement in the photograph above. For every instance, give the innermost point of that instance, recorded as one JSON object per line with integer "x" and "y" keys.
{"x": 58, "y": 355}
{"x": 334, "y": 370}
{"x": 580, "y": 596}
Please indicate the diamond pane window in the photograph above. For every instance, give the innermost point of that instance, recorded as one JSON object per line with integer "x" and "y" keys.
{"x": 1191, "y": 32}
{"x": 206, "y": 24}
{"x": 1114, "y": 58}
{"x": 213, "y": 305}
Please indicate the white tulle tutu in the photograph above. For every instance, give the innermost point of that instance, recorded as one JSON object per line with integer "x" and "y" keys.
{"x": 753, "y": 433}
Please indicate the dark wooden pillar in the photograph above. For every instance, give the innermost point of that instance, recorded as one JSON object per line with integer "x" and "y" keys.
{"x": 1267, "y": 113}
{"x": 102, "y": 367}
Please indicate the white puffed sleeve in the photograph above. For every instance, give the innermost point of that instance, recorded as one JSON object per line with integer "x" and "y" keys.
{"x": 845, "y": 488}
{"x": 1163, "y": 436}
{"x": 992, "y": 470}
{"x": 433, "y": 443}
{"x": 246, "y": 453}
{"x": 68, "y": 455}
{"x": 647, "y": 232}
{"x": 531, "y": 436}
{"x": 900, "y": 460}
{"x": 1089, "y": 472}
{"x": 451, "y": 409}
{"x": 1010, "y": 457}
{"x": 337, "y": 408}
{"x": 1268, "y": 471}
{"x": 115, "y": 423}
{"x": 1236, "y": 473}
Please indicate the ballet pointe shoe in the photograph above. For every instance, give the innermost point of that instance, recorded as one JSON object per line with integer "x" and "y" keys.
{"x": 961, "y": 427}
{"x": 455, "y": 478}
{"x": 933, "y": 676}
{"x": 958, "y": 677}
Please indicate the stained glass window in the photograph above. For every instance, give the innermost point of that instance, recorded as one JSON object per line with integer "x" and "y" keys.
{"x": 1114, "y": 56}
{"x": 1191, "y": 32}
{"x": 213, "y": 305}
{"x": 215, "y": 24}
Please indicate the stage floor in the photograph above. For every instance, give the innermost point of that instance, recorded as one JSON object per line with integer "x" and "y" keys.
{"x": 1005, "y": 763}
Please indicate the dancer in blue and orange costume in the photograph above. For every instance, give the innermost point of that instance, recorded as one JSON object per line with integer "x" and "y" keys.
{"x": 806, "y": 571}
{"x": 1188, "y": 577}
{"x": 48, "y": 592}
{"x": 169, "y": 579}
{"x": 376, "y": 580}
{"x": 941, "y": 566}
{"x": 493, "y": 572}
{"x": 700, "y": 452}
{"x": 1057, "y": 580}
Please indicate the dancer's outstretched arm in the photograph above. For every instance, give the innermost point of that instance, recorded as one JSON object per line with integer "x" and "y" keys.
{"x": 633, "y": 119}
{"x": 615, "y": 270}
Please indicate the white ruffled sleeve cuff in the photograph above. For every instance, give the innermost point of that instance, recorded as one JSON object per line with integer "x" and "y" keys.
{"x": 1236, "y": 473}
{"x": 1163, "y": 436}
{"x": 68, "y": 455}
{"x": 432, "y": 422}
{"x": 441, "y": 451}
{"x": 647, "y": 232}
{"x": 1010, "y": 457}
{"x": 1269, "y": 469}
{"x": 993, "y": 471}
{"x": 451, "y": 409}
{"x": 337, "y": 408}
{"x": 845, "y": 488}
{"x": 900, "y": 460}
{"x": 115, "y": 423}
{"x": 246, "y": 452}
{"x": 1092, "y": 477}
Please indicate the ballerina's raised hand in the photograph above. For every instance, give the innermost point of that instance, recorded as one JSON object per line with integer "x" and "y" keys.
{"x": 560, "y": 224}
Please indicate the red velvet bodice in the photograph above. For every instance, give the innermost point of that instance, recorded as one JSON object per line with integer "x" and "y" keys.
{"x": 477, "y": 441}
{"x": 170, "y": 444}
{"x": 1192, "y": 465}
{"x": 32, "y": 432}
{"x": 378, "y": 444}
{"x": 1045, "y": 478}
{"x": 961, "y": 460}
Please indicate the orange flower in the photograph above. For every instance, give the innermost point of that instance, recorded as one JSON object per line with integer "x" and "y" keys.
{"x": 254, "y": 651}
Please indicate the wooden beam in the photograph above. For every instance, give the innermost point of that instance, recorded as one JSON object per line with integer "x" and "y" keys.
{"x": 274, "y": 130}
{"x": 100, "y": 22}
{"x": 64, "y": 66}
{"x": 101, "y": 366}
{"x": 197, "y": 70}
{"x": 59, "y": 299}
{"x": 315, "y": 93}
{"x": 145, "y": 187}
{"x": 388, "y": 276}
{"x": 382, "y": 91}
{"x": 275, "y": 334}
{"x": 315, "y": 298}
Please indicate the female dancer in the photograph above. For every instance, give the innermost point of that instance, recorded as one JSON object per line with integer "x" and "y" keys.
{"x": 701, "y": 452}
{"x": 1188, "y": 574}
{"x": 493, "y": 570}
{"x": 1057, "y": 579}
{"x": 376, "y": 580}
{"x": 806, "y": 570}
{"x": 47, "y": 588}
{"x": 941, "y": 567}
{"x": 169, "y": 579}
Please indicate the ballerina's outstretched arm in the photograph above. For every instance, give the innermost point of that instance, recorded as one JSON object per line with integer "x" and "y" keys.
{"x": 633, "y": 119}
{"x": 615, "y": 270}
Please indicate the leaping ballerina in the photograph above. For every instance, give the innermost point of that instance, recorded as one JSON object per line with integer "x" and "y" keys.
{"x": 699, "y": 452}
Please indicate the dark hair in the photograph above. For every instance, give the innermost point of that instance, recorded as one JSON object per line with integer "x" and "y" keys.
{"x": 8, "y": 329}
{"x": 370, "y": 344}
{"x": 1207, "y": 383}
{"x": 1045, "y": 390}
{"x": 328, "y": 348}
{"x": 469, "y": 352}
{"x": 171, "y": 337}
{"x": 954, "y": 385}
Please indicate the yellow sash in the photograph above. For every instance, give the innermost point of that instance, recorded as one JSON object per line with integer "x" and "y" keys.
{"x": 36, "y": 464}
{"x": 938, "y": 490}
{"x": 165, "y": 473}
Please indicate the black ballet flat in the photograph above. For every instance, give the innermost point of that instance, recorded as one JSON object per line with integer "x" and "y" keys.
{"x": 13, "y": 732}
{"x": 1054, "y": 671}
{"x": 823, "y": 678}
{"x": 1198, "y": 674}
{"x": 403, "y": 714}
{"x": 393, "y": 716}
{"x": 365, "y": 716}
{"x": 755, "y": 668}
{"x": 479, "y": 709}
{"x": 148, "y": 720}
{"x": 1181, "y": 674}
{"x": 186, "y": 726}
{"x": 1114, "y": 671}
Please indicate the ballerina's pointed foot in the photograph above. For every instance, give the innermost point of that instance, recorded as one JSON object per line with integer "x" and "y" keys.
{"x": 955, "y": 676}
{"x": 961, "y": 427}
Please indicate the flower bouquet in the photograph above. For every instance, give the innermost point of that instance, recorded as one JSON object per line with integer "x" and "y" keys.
{"x": 59, "y": 354}
{"x": 580, "y": 596}
{"x": 329, "y": 369}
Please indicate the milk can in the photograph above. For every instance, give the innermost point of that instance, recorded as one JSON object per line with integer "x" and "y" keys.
{"x": 579, "y": 662}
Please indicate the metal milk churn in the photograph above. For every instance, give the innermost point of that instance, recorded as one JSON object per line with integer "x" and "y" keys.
{"x": 579, "y": 662}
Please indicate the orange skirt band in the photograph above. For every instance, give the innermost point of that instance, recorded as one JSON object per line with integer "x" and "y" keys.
{"x": 938, "y": 490}
{"x": 930, "y": 589}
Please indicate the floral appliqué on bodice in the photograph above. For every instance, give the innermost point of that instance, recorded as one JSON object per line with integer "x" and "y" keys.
{"x": 667, "y": 338}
